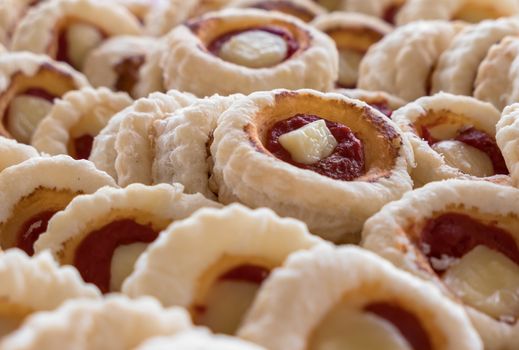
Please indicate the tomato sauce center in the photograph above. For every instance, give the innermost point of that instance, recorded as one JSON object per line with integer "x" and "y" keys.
{"x": 83, "y": 146}
{"x": 31, "y": 230}
{"x": 347, "y": 161}
{"x": 454, "y": 235}
{"x": 94, "y": 254}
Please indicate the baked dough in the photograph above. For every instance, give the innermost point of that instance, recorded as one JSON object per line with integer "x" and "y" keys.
{"x": 262, "y": 51}
{"x": 402, "y": 62}
{"x": 139, "y": 8}
{"x": 74, "y": 120}
{"x": 245, "y": 171}
{"x": 117, "y": 63}
{"x": 496, "y": 79}
{"x": 466, "y": 10}
{"x": 353, "y": 34}
{"x": 457, "y": 67}
{"x": 113, "y": 323}
{"x": 181, "y": 141}
{"x": 394, "y": 231}
{"x": 35, "y": 189}
{"x": 84, "y": 24}
{"x": 198, "y": 339}
{"x": 384, "y": 102}
{"x": 305, "y": 10}
{"x": 28, "y": 85}
{"x": 150, "y": 74}
{"x": 506, "y": 136}
{"x": 238, "y": 236}
{"x": 11, "y": 12}
{"x": 446, "y": 115}
{"x": 141, "y": 208}
{"x": 305, "y": 304}
{"x": 12, "y": 152}
{"x": 123, "y": 148}
{"x": 35, "y": 284}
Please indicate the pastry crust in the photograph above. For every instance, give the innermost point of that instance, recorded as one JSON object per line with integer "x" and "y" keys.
{"x": 37, "y": 32}
{"x": 12, "y": 152}
{"x": 81, "y": 112}
{"x": 196, "y": 339}
{"x": 20, "y": 71}
{"x": 166, "y": 14}
{"x": 353, "y": 34}
{"x": 181, "y": 142}
{"x": 313, "y": 65}
{"x": 377, "y": 8}
{"x": 506, "y": 136}
{"x": 401, "y": 63}
{"x": 458, "y": 110}
{"x": 458, "y": 65}
{"x": 313, "y": 283}
{"x": 36, "y": 284}
{"x": 305, "y": 10}
{"x": 247, "y": 172}
{"x": 123, "y": 148}
{"x": 170, "y": 271}
{"x": 388, "y": 234}
{"x": 118, "y": 61}
{"x": 11, "y": 12}
{"x": 26, "y": 195}
{"x": 376, "y": 98}
{"x": 496, "y": 80}
{"x": 156, "y": 206}
{"x": 112, "y": 323}
{"x": 468, "y": 10}
{"x": 150, "y": 74}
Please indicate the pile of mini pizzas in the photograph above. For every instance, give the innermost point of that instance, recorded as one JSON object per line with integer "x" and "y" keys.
{"x": 259, "y": 174}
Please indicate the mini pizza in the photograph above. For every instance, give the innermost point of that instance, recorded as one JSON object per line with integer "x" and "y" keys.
{"x": 458, "y": 65}
{"x": 111, "y": 323}
{"x": 117, "y": 63}
{"x": 305, "y": 10}
{"x": 220, "y": 282}
{"x": 452, "y": 137}
{"x": 35, "y": 284}
{"x": 112, "y": 227}
{"x": 74, "y": 121}
{"x": 246, "y": 50}
{"x": 403, "y": 61}
{"x": 325, "y": 159}
{"x": 198, "y": 339}
{"x": 181, "y": 140}
{"x": 67, "y": 30}
{"x": 349, "y": 298}
{"x": 384, "y": 102}
{"x": 124, "y": 149}
{"x": 506, "y": 136}
{"x": 496, "y": 80}
{"x": 461, "y": 235}
{"x": 353, "y": 35}
{"x": 466, "y": 10}
{"x": 29, "y": 84}
{"x": 12, "y": 152}
{"x": 34, "y": 190}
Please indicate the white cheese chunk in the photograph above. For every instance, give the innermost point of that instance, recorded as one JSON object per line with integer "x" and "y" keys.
{"x": 309, "y": 144}
{"x": 227, "y": 304}
{"x": 347, "y": 328}
{"x": 123, "y": 262}
{"x": 81, "y": 39}
{"x": 486, "y": 280}
{"x": 254, "y": 49}
{"x": 466, "y": 158}
{"x": 25, "y": 113}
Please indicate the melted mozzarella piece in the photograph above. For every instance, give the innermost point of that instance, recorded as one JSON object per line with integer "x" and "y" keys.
{"x": 349, "y": 62}
{"x": 227, "y": 303}
{"x": 466, "y": 158}
{"x": 347, "y": 328}
{"x": 254, "y": 49}
{"x": 486, "y": 280}
{"x": 123, "y": 262}
{"x": 309, "y": 144}
{"x": 81, "y": 39}
{"x": 25, "y": 113}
